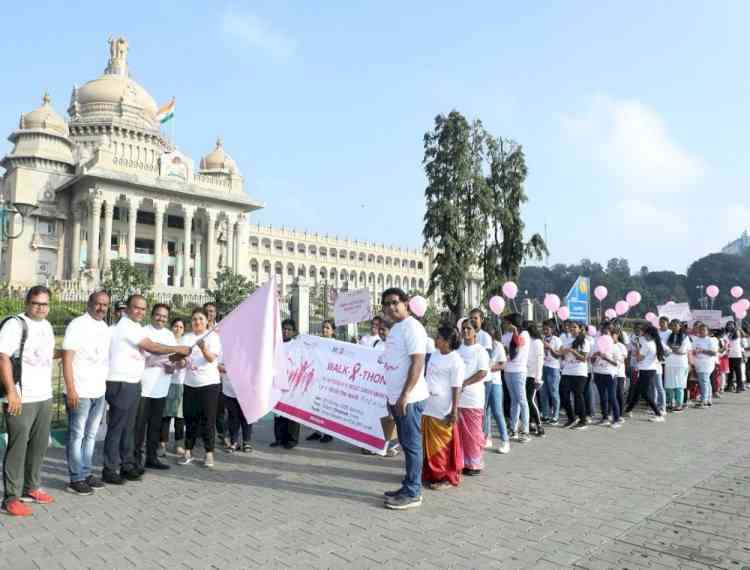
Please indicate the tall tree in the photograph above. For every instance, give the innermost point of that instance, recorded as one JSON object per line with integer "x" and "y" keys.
{"x": 454, "y": 224}
{"x": 123, "y": 279}
{"x": 230, "y": 290}
{"x": 504, "y": 247}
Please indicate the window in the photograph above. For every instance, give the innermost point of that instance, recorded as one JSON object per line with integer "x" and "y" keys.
{"x": 114, "y": 243}
{"x": 47, "y": 226}
{"x": 175, "y": 222}
{"x": 144, "y": 246}
{"x": 146, "y": 218}
{"x": 118, "y": 213}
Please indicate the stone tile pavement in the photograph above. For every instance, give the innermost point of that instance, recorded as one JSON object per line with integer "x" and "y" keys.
{"x": 674, "y": 495}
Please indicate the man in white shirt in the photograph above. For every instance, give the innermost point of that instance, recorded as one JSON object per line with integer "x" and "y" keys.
{"x": 26, "y": 378}
{"x": 407, "y": 392}
{"x": 126, "y": 366}
{"x": 484, "y": 339}
{"x": 85, "y": 368}
{"x": 370, "y": 340}
{"x": 157, "y": 376}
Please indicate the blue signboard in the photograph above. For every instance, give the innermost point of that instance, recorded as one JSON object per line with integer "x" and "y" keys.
{"x": 578, "y": 299}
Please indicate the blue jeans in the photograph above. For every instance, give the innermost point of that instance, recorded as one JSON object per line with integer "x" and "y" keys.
{"x": 518, "y": 403}
{"x": 493, "y": 404}
{"x": 704, "y": 382}
{"x": 409, "y": 430}
{"x": 660, "y": 394}
{"x": 83, "y": 423}
{"x": 550, "y": 393}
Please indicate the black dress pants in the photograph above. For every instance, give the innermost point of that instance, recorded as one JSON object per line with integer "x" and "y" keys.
{"x": 119, "y": 443}
{"x": 199, "y": 408}
{"x": 148, "y": 428}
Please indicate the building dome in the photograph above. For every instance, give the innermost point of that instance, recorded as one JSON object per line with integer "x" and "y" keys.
{"x": 115, "y": 89}
{"x": 44, "y": 118}
{"x": 219, "y": 160}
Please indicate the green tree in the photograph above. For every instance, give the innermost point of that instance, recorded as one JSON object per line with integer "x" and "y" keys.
{"x": 124, "y": 279}
{"x": 230, "y": 290}
{"x": 720, "y": 269}
{"x": 504, "y": 246}
{"x": 454, "y": 227}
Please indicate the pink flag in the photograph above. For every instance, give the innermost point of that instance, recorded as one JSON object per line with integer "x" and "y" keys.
{"x": 253, "y": 352}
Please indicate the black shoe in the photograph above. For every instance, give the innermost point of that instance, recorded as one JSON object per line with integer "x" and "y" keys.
{"x": 131, "y": 475}
{"x": 290, "y": 445}
{"x": 391, "y": 494}
{"x": 569, "y": 423}
{"x": 95, "y": 483}
{"x": 581, "y": 425}
{"x": 326, "y": 438}
{"x": 112, "y": 477}
{"x": 402, "y": 502}
{"x": 313, "y": 436}
{"x": 156, "y": 464}
{"x": 274, "y": 444}
{"x": 471, "y": 472}
{"x": 79, "y": 488}
{"x": 140, "y": 470}
{"x": 540, "y": 431}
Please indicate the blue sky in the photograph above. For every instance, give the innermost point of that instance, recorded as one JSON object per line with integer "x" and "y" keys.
{"x": 633, "y": 115}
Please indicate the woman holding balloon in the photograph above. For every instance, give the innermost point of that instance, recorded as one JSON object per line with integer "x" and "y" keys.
{"x": 517, "y": 343}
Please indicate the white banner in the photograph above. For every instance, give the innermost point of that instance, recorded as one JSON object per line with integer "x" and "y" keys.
{"x": 352, "y": 307}
{"x": 679, "y": 311}
{"x": 711, "y": 318}
{"x": 337, "y": 388}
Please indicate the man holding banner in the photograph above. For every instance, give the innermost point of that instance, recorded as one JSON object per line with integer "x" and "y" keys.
{"x": 407, "y": 393}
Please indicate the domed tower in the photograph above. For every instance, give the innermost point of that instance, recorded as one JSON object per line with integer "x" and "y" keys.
{"x": 114, "y": 114}
{"x": 41, "y": 160}
{"x": 218, "y": 168}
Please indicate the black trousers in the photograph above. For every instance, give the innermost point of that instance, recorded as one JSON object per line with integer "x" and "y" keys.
{"x": 221, "y": 415}
{"x": 148, "y": 428}
{"x": 567, "y": 391}
{"x": 644, "y": 389}
{"x": 239, "y": 430}
{"x": 119, "y": 443}
{"x": 506, "y": 397}
{"x": 620, "y": 393}
{"x": 285, "y": 431}
{"x": 587, "y": 398}
{"x": 734, "y": 378}
{"x": 179, "y": 429}
{"x": 199, "y": 408}
{"x": 532, "y": 397}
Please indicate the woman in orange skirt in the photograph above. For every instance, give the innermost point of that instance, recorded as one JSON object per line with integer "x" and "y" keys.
{"x": 443, "y": 460}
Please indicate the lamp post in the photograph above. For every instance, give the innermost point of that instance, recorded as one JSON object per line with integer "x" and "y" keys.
{"x": 701, "y": 298}
{"x": 7, "y": 211}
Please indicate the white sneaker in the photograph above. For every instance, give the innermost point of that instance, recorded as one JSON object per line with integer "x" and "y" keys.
{"x": 488, "y": 443}
{"x": 186, "y": 459}
{"x": 657, "y": 419}
{"x": 504, "y": 447}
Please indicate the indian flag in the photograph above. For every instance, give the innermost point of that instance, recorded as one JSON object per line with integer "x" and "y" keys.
{"x": 166, "y": 112}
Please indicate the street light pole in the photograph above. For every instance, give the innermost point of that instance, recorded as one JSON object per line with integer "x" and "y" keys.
{"x": 8, "y": 210}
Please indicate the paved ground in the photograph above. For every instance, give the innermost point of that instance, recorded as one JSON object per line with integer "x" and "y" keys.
{"x": 675, "y": 495}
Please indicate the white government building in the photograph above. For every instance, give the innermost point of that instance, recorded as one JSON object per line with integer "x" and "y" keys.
{"x": 107, "y": 184}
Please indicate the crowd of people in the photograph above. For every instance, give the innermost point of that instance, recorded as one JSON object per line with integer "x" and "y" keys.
{"x": 443, "y": 393}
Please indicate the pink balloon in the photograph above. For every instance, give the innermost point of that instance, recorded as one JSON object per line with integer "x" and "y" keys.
{"x": 736, "y": 291}
{"x": 712, "y": 291}
{"x": 633, "y": 298}
{"x": 650, "y": 317}
{"x": 592, "y": 330}
{"x": 610, "y": 313}
{"x": 744, "y": 303}
{"x": 497, "y": 304}
{"x": 510, "y": 289}
{"x": 563, "y": 313}
{"x": 551, "y": 302}
{"x": 670, "y": 303}
{"x": 601, "y": 292}
{"x": 622, "y": 307}
{"x": 418, "y": 305}
{"x": 741, "y": 315}
{"x": 605, "y": 344}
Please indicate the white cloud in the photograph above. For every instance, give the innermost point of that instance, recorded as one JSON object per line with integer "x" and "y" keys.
{"x": 257, "y": 33}
{"x": 642, "y": 215}
{"x": 630, "y": 142}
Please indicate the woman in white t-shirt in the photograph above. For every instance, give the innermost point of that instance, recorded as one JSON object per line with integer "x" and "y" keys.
{"x": 677, "y": 346}
{"x": 202, "y": 387}
{"x": 534, "y": 366}
{"x": 649, "y": 353}
{"x": 441, "y": 441}
{"x": 620, "y": 352}
{"x": 605, "y": 367}
{"x": 575, "y": 374}
{"x": 471, "y": 405}
{"x": 735, "y": 350}
{"x": 706, "y": 353}
{"x": 173, "y": 405}
{"x": 517, "y": 344}
{"x": 493, "y": 398}
{"x": 549, "y": 395}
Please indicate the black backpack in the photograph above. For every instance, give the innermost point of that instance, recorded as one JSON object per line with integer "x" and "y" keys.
{"x": 17, "y": 359}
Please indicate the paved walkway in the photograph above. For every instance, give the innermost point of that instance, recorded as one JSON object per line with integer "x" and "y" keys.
{"x": 674, "y": 495}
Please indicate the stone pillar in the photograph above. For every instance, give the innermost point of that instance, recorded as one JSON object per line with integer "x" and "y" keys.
{"x": 301, "y": 306}
{"x": 60, "y": 268}
{"x": 198, "y": 266}
{"x": 75, "y": 265}
{"x": 231, "y": 245}
{"x": 211, "y": 249}
{"x": 109, "y": 211}
{"x": 132, "y": 218}
{"x": 159, "y": 209}
{"x": 179, "y": 263}
{"x": 95, "y": 211}
{"x": 189, "y": 212}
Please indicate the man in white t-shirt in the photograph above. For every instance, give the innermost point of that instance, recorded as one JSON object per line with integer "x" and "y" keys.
{"x": 407, "y": 392}
{"x": 157, "y": 376}
{"x": 85, "y": 368}
{"x": 28, "y": 400}
{"x": 370, "y": 340}
{"x": 484, "y": 339}
{"x": 126, "y": 365}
